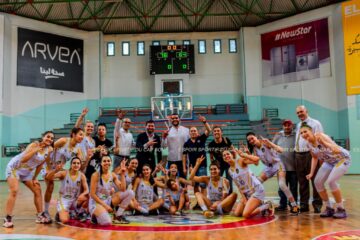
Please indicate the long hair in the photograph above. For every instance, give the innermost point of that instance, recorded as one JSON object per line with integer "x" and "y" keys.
{"x": 101, "y": 170}
{"x": 250, "y": 146}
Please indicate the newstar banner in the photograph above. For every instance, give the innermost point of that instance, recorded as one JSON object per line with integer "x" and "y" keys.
{"x": 351, "y": 23}
{"x": 296, "y": 53}
{"x": 50, "y": 61}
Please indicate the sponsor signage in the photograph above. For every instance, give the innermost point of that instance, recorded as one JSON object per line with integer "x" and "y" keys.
{"x": 49, "y": 61}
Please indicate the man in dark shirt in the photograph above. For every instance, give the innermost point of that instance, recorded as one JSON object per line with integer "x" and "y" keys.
{"x": 147, "y": 144}
{"x": 102, "y": 145}
{"x": 216, "y": 148}
{"x": 195, "y": 148}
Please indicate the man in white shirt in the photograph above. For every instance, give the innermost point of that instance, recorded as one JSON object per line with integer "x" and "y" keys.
{"x": 174, "y": 140}
{"x": 303, "y": 162}
{"x": 123, "y": 139}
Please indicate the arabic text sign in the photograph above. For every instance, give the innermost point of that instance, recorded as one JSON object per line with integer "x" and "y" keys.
{"x": 351, "y": 23}
{"x": 49, "y": 61}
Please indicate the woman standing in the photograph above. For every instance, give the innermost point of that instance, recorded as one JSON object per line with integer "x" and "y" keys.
{"x": 64, "y": 150}
{"x": 25, "y": 167}
{"x": 250, "y": 188}
{"x": 102, "y": 196}
{"x": 336, "y": 162}
{"x": 218, "y": 199}
{"x": 267, "y": 152}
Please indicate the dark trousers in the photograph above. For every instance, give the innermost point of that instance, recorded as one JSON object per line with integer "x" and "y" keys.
{"x": 224, "y": 168}
{"x": 292, "y": 183}
{"x": 303, "y": 167}
{"x": 179, "y": 165}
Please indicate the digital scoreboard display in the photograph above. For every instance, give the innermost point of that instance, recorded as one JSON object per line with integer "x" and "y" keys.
{"x": 172, "y": 59}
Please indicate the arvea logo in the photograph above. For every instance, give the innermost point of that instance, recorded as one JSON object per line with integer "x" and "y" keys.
{"x": 46, "y": 60}
{"x": 43, "y": 50}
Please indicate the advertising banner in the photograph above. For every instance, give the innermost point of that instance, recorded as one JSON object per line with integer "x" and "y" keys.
{"x": 296, "y": 53}
{"x": 351, "y": 23}
{"x": 49, "y": 61}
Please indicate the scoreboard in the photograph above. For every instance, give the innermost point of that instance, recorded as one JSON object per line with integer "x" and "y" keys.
{"x": 172, "y": 59}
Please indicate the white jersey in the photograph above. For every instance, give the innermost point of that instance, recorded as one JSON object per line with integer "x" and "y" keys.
{"x": 37, "y": 159}
{"x": 244, "y": 179}
{"x": 215, "y": 193}
{"x": 129, "y": 180}
{"x": 325, "y": 154}
{"x": 65, "y": 154}
{"x": 70, "y": 188}
{"x": 268, "y": 156}
{"x": 103, "y": 191}
{"x": 86, "y": 143}
{"x": 145, "y": 193}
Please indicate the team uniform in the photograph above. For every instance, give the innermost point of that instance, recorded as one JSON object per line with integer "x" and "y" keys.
{"x": 104, "y": 192}
{"x": 145, "y": 194}
{"x": 270, "y": 159}
{"x": 25, "y": 171}
{"x": 247, "y": 182}
{"x": 63, "y": 154}
{"x": 129, "y": 180}
{"x": 215, "y": 194}
{"x": 174, "y": 195}
{"x": 69, "y": 192}
{"x": 86, "y": 144}
{"x": 334, "y": 166}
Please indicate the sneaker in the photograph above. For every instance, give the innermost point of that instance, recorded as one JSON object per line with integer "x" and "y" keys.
{"x": 271, "y": 209}
{"x": 340, "y": 213}
{"x": 208, "y": 214}
{"x": 93, "y": 219}
{"x": 294, "y": 210}
{"x": 73, "y": 215}
{"x": 328, "y": 212}
{"x": 8, "y": 222}
{"x": 47, "y": 216}
{"x": 40, "y": 218}
{"x": 57, "y": 218}
{"x": 82, "y": 217}
{"x": 281, "y": 208}
{"x": 120, "y": 220}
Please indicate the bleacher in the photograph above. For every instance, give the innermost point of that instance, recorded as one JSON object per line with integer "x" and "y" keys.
{"x": 232, "y": 118}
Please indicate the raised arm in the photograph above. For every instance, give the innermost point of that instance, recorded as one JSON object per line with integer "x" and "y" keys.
{"x": 272, "y": 145}
{"x": 80, "y": 119}
{"x": 201, "y": 179}
{"x": 206, "y": 125}
{"x": 248, "y": 158}
{"x": 121, "y": 184}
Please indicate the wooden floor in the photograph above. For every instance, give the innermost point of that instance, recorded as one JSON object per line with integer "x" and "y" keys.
{"x": 304, "y": 226}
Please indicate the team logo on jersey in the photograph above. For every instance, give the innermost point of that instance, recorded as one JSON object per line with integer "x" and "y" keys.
{"x": 78, "y": 183}
{"x": 237, "y": 170}
{"x": 263, "y": 149}
{"x": 220, "y": 189}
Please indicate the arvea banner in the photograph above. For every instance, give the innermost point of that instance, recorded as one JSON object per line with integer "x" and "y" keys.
{"x": 296, "y": 53}
{"x": 49, "y": 61}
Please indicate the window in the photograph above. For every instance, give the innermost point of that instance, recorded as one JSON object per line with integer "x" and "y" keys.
{"x": 232, "y": 46}
{"x": 140, "y": 48}
{"x": 202, "y": 46}
{"x": 125, "y": 48}
{"x": 217, "y": 46}
{"x": 171, "y": 42}
{"x": 110, "y": 49}
{"x": 186, "y": 42}
{"x": 156, "y": 43}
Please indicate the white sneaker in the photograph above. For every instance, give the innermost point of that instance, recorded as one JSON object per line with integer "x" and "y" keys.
{"x": 8, "y": 222}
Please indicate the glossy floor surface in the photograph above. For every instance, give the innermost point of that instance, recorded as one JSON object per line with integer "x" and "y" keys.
{"x": 305, "y": 226}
